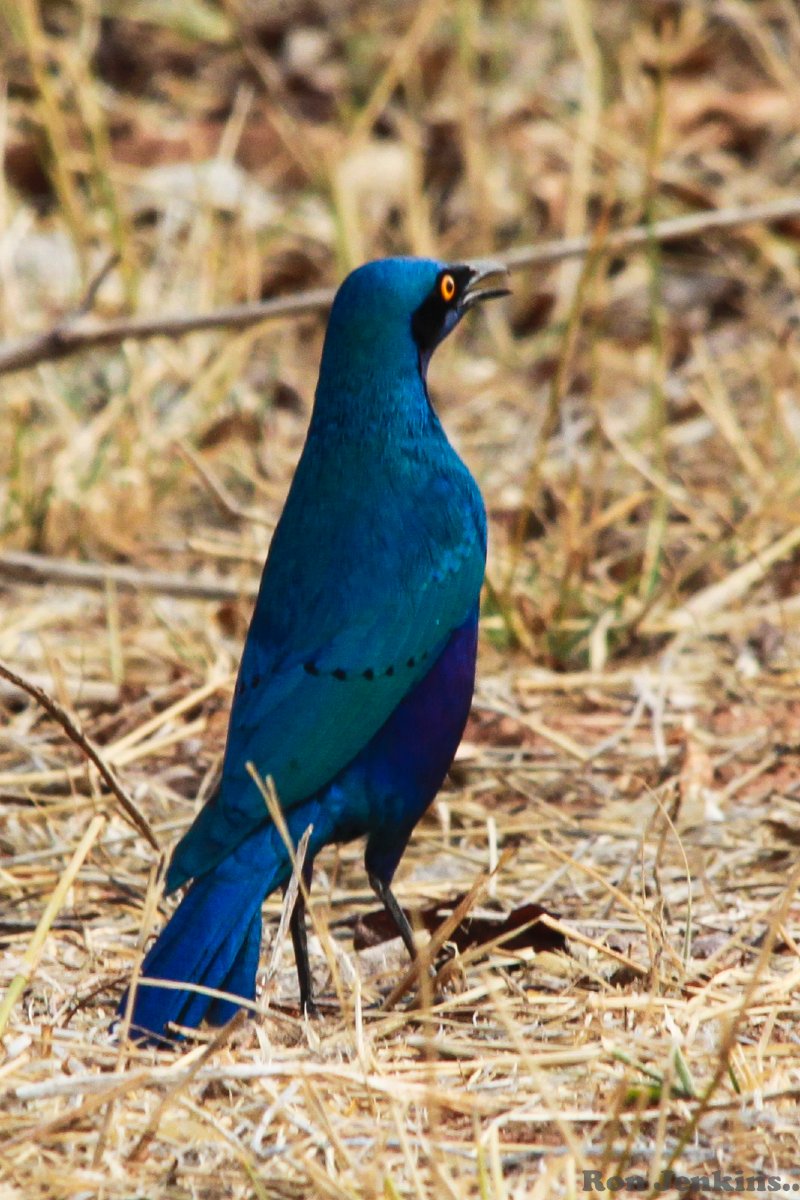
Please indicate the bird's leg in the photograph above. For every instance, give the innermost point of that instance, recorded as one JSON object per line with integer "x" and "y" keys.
{"x": 297, "y": 925}
{"x": 389, "y": 901}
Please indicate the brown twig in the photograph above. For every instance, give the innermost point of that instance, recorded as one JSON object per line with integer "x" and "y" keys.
{"x": 63, "y": 340}
{"x": 39, "y": 569}
{"x": 76, "y": 735}
{"x": 671, "y": 230}
{"x": 69, "y": 337}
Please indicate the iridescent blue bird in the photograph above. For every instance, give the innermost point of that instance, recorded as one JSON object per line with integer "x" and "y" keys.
{"x": 359, "y": 666}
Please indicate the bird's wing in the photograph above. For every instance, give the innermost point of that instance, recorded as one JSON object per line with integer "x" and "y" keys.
{"x": 337, "y": 640}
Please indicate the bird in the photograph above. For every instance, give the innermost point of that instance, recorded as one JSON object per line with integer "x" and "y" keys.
{"x": 358, "y": 669}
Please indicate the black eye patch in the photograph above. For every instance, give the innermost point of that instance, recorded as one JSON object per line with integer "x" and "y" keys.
{"x": 427, "y": 321}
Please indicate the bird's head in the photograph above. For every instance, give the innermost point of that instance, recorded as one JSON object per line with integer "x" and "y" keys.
{"x": 390, "y": 315}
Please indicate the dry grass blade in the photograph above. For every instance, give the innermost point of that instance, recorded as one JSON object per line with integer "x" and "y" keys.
{"x": 287, "y": 908}
{"x": 218, "y": 491}
{"x": 708, "y": 602}
{"x": 33, "y": 953}
{"x": 575, "y": 936}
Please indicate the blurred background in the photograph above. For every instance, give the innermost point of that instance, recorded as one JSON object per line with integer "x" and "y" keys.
{"x": 235, "y": 152}
{"x": 633, "y": 420}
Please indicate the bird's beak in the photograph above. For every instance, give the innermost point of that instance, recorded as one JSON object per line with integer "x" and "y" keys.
{"x": 487, "y": 280}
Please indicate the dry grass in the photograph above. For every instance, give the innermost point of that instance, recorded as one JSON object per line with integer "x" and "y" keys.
{"x": 635, "y": 427}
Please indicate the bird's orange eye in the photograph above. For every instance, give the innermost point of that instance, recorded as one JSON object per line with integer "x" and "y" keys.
{"x": 447, "y": 288}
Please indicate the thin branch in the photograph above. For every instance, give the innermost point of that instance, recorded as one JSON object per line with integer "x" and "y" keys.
{"x": 38, "y": 569}
{"x": 81, "y": 333}
{"x": 672, "y": 230}
{"x": 76, "y": 735}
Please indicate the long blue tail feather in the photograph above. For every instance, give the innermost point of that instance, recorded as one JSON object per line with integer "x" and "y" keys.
{"x": 241, "y": 979}
{"x": 214, "y": 936}
{"x": 212, "y": 939}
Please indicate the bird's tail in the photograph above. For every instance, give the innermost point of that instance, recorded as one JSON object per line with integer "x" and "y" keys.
{"x": 212, "y": 939}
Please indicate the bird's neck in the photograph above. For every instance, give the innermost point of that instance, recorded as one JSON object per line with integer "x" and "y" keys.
{"x": 374, "y": 403}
